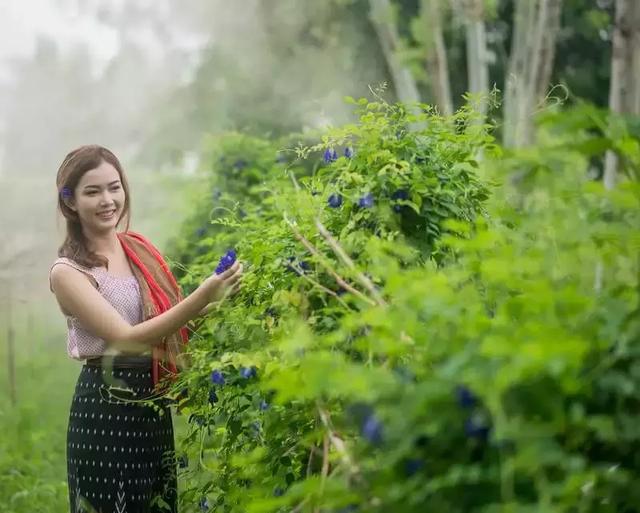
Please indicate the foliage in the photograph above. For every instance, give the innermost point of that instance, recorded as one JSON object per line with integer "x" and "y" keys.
{"x": 463, "y": 360}
{"x": 32, "y": 446}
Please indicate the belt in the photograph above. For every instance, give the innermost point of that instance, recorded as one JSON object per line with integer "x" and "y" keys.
{"x": 120, "y": 361}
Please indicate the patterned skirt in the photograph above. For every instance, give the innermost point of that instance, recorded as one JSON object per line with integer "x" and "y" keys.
{"x": 120, "y": 446}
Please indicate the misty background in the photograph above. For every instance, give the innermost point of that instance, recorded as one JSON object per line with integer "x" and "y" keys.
{"x": 153, "y": 79}
{"x": 148, "y": 79}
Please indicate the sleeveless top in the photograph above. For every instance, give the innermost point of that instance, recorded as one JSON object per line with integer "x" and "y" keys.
{"x": 123, "y": 292}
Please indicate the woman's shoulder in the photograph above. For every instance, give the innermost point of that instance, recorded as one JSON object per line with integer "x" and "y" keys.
{"x": 71, "y": 263}
{"x": 68, "y": 262}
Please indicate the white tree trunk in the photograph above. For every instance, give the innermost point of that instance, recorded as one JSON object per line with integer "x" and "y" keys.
{"x": 536, "y": 24}
{"x": 477, "y": 62}
{"x": 403, "y": 81}
{"x": 624, "y": 88}
{"x": 436, "y": 55}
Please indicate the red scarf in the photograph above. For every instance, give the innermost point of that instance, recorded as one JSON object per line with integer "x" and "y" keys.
{"x": 160, "y": 292}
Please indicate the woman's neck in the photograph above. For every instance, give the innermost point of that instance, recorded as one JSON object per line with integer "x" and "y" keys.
{"x": 105, "y": 244}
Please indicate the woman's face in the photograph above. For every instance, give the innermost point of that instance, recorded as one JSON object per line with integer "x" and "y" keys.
{"x": 99, "y": 199}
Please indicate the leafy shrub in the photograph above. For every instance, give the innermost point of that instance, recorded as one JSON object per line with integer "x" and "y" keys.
{"x": 438, "y": 348}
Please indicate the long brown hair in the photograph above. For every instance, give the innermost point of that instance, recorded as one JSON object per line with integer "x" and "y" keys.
{"x": 73, "y": 167}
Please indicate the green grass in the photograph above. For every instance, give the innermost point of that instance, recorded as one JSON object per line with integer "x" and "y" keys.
{"x": 33, "y": 469}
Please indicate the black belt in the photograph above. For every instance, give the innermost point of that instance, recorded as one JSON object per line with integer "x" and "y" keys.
{"x": 120, "y": 361}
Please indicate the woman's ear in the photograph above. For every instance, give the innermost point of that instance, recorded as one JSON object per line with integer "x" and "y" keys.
{"x": 69, "y": 202}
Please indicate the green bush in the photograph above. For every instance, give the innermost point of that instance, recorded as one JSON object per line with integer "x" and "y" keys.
{"x": 436, "y": 350}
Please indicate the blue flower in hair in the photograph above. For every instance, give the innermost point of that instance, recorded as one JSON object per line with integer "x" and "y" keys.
{"x": 66, "y": 193}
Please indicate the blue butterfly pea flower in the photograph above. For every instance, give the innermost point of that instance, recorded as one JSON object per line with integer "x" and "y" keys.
{"x": 217, "y": 378}
{"x": 348, "y": 152}
{"x": 400, "y": 194}
{"x": 330, "y": 155}
{"x": 66, "y": 193}
{"x": 412, "y": 466}
{"x": 372, "y": 429}
{"x": 226, "y": 261}
{"x": 248, "y": 372}
{"x": 465, "y": 397}
{"x": 477, "y": 427}
{"x": 335, "y": 200}
{"x": 366, "y": 201}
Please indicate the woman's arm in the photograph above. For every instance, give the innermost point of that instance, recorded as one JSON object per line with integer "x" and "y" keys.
{"x": 79, "y": 298}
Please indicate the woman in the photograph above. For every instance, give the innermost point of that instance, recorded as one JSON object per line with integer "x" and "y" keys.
{"x": 125, "y": 317}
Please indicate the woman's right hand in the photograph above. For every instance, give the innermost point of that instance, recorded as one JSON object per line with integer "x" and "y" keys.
{"x": 227, "y": 282}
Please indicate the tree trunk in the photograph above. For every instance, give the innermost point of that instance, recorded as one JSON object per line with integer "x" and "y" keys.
{"x": 436, "y": 56}
{"x": 477, "y": 63}
{"x": 403, "y": 81}
{"x": 624, "y": 89}
{"x": 536, "y": 25}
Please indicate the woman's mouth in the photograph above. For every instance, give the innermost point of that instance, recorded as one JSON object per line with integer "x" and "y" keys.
{"x": 106, "y": 215}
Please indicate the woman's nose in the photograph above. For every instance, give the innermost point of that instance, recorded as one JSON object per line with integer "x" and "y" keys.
{"x": 106, "y": 198}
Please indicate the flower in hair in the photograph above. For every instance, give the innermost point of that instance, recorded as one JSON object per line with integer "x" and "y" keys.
{"x": 66, "y": 193}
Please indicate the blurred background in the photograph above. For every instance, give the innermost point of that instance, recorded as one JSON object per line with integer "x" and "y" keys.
{"x": 149, "y": 79}
{"x": 152, "y": 79}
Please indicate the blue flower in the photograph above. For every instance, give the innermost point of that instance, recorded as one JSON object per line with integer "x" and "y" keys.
{"x": 204, "y": 504}
{"x": 248, "y": 372}
{"x": 412, "y": 466}
{"x": 366, "y": 201}
{"x": 330, "y": 155}
{"x": 240, "y": 164}
{"x": 66, "y": 193}
{"x": 217, "y": 378}
{"x": 304, "y": 265}
{"x": 213, "y": 397}
{"x": 226, "y": 261}
{"x": 264, "y": 405}
{"x": 348, "y": 152}
{"x": 372, "y": 429}
{"x": 335, "y": 200}
{"x": 466, "y": 398}
{"x": 400, "y": 194}
{"x": 477, "y": 427}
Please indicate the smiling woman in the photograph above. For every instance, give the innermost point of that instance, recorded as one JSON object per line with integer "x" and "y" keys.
{"x": 125, "y": 316}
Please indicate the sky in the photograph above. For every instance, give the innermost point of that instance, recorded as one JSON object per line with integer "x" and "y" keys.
{"x": 22, "y": 20}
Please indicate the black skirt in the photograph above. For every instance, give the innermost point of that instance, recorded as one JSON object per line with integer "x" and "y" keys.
{"x": 120, "y": 446}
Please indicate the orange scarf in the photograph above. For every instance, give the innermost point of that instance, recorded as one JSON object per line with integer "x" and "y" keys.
{"x": 160, "y": 292}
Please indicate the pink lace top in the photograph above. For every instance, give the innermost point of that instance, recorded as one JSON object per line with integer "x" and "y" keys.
{"x": 124, "y": 295}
